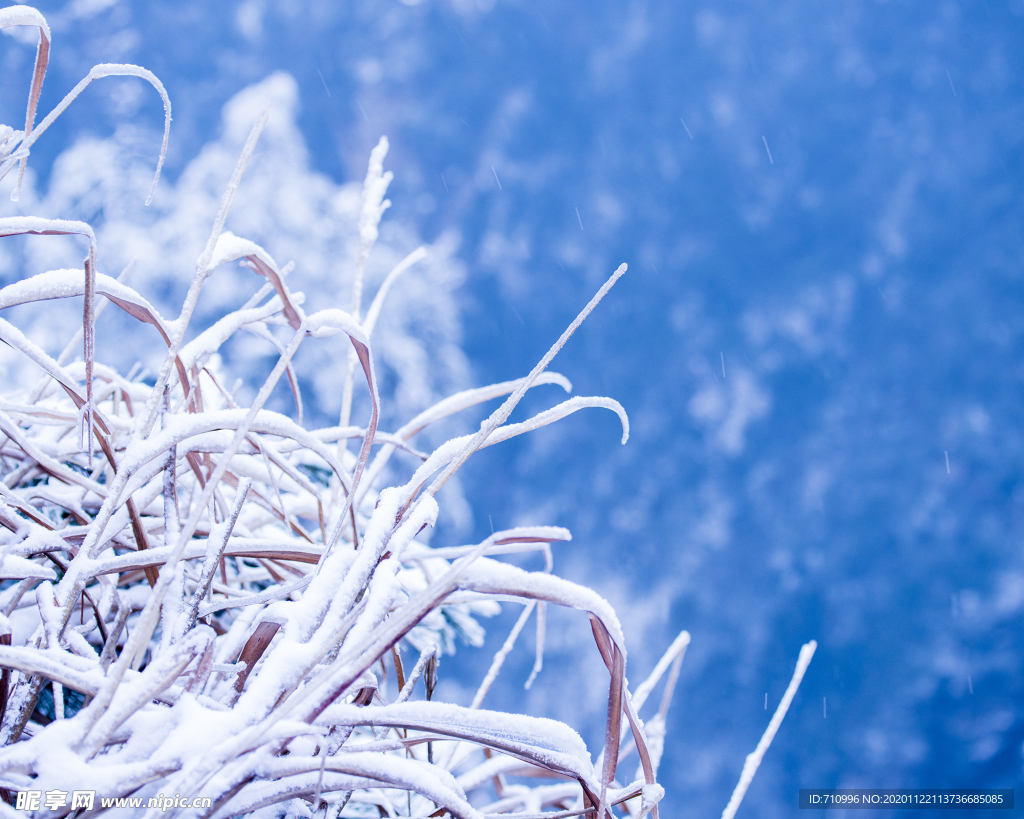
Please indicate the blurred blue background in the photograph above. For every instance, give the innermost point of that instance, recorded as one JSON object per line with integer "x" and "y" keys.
{"x": 821, "y": 208}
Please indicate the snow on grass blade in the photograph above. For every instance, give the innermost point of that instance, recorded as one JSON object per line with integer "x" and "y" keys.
{"x": 203, "y": 267}
{"x": 111, "y": 70}
{"x": 454, "y": 404}
{"x": 753, "y": 760}
{"x": 378, "y": 301}
{"x": 27, "y": 16}
{"x": 33, "y": 225}
{"x": 497, "y": 418}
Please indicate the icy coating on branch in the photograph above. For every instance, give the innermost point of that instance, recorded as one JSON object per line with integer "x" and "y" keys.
{"x": 201, "y": 595}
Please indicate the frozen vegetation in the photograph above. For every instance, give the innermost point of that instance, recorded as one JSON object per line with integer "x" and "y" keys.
{"x": 202, "y": 595}
{"x": 205, "y": 597}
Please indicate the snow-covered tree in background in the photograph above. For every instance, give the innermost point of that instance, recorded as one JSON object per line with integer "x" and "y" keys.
{"x": 202, "y": 595}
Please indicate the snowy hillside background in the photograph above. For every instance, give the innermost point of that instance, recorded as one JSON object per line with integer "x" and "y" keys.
{"x": 821, "y": 208}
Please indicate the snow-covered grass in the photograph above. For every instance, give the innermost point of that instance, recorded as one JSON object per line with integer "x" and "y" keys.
{"x": 208, "y": 599}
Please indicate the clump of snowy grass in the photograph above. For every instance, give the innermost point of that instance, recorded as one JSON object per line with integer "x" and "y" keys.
{"x": 204, "y": 597}
{"x": 209, "y": 599}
